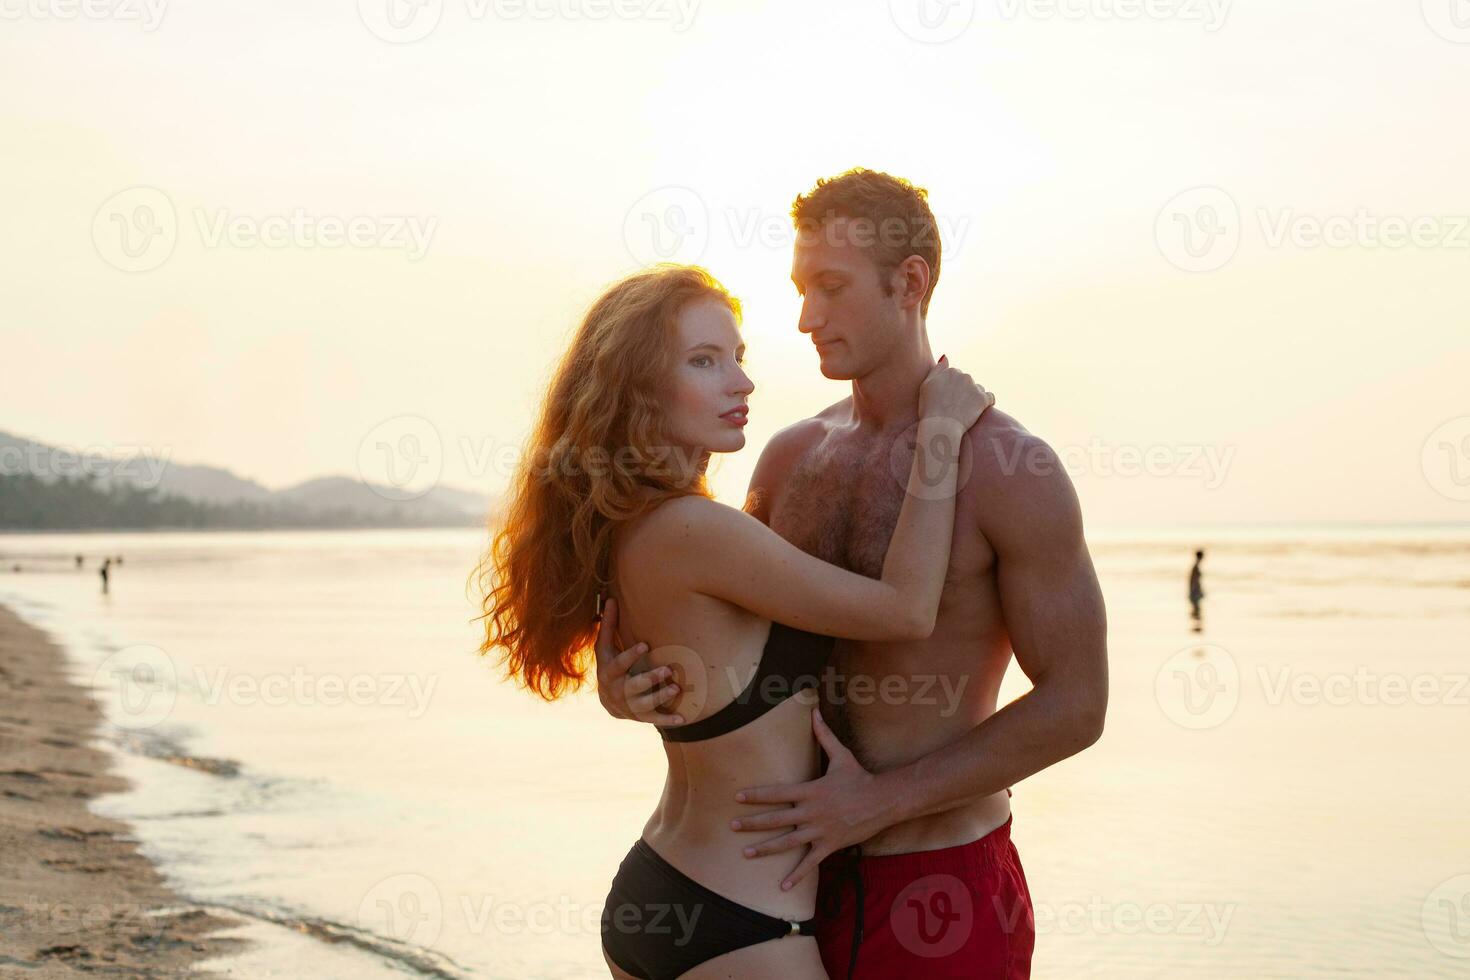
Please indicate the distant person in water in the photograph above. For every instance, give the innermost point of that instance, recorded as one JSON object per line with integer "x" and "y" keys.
{"x": 79, "y": 561}
{"x": 1196, "y": 591}
{"x": 106, "y": 565}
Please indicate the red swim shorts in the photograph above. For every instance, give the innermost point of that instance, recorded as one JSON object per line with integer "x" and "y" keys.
{"x": 960, "y": 911}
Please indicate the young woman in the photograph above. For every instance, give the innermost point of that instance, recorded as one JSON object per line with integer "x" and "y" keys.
{"x": 611, "y": 500}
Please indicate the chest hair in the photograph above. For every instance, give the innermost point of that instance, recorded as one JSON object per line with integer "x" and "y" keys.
{"x": 841, "y": 504}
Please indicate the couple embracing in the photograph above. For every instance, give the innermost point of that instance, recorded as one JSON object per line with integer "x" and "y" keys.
{"x": 824, "y": 665}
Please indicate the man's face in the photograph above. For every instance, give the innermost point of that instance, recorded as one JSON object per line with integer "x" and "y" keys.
{"x": 851, "y": 321}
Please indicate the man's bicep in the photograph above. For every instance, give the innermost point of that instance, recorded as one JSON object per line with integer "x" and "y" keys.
{"x": 1049, "y": 592}
{"x": 774, "y": 467}
{"x": 758, "y": 495}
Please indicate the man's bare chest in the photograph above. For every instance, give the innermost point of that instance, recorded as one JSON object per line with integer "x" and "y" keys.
{"x": 842, "y": 503}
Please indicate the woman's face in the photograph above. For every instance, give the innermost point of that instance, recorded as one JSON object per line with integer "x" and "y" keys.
{"x": 707, "y": 390}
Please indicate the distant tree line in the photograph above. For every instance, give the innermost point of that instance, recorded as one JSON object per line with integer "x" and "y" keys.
{"x": 76, "y": 503}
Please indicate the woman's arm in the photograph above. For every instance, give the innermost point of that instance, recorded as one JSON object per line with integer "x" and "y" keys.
{"x": 727, "y": 553}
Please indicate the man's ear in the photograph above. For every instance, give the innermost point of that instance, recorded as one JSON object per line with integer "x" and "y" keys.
{"x": 913, "y": 282}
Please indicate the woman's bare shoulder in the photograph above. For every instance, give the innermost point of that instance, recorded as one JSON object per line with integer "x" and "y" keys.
{"x": 671, "y": 544}
{"x": 684, "y": 517}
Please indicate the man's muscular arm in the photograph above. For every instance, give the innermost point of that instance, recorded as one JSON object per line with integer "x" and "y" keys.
{"x": 1054, "y": 613}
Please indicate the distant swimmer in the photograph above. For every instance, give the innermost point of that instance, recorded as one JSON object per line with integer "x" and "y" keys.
{"x": 79, "y": 561}
{"x": 106, "y": 565}
{"x": 1196, "y": 591}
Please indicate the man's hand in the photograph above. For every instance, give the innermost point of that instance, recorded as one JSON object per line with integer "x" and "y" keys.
{"x": 841, "y": 808}
{"x": 623, "y": 693}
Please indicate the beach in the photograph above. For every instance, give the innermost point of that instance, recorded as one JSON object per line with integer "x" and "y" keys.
{"x": 79, "y": 897}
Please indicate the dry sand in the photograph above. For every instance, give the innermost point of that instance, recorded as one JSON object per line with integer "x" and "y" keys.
{"x": 77, "y": 897}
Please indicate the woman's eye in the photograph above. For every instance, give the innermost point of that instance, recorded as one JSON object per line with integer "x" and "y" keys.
{"x": 832, "y": 290}
{"x": 700, "y": 361}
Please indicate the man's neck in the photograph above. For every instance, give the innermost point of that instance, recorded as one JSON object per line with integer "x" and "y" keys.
{"x": 888, "y": 397}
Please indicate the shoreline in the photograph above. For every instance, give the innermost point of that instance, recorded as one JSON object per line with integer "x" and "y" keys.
{"x": 77, "y": 896}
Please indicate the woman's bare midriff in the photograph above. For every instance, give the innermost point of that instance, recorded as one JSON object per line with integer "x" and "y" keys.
{"x": 715, "y": 648}
{"x": 691, "y": 826}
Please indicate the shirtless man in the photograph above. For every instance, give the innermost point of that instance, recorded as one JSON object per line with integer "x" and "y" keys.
{"x": 910, "y": 821}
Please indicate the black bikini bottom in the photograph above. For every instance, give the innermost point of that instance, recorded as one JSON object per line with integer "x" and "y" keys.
{"x": 659, "y": 923}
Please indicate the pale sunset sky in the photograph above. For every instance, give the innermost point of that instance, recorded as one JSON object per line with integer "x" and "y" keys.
{"x": 1217, "y": 254}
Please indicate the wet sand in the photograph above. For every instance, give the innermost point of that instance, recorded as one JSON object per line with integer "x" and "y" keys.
{"x": 77, "y": 897}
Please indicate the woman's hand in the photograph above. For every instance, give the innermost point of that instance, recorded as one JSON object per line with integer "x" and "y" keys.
{"x": 950, "y": 393}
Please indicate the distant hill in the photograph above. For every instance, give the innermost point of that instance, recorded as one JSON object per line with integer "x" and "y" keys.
{"x": 342, "y": 491}
{"x": 47, "y": 487}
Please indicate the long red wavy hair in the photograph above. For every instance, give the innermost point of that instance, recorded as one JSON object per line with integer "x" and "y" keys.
{"x": 597, "y": 457}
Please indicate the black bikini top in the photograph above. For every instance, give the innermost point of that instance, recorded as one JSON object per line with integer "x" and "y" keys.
{"x": 792, "y": 661}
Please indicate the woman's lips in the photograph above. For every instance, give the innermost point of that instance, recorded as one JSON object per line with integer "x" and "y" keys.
{"x": 737, "y": 416}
